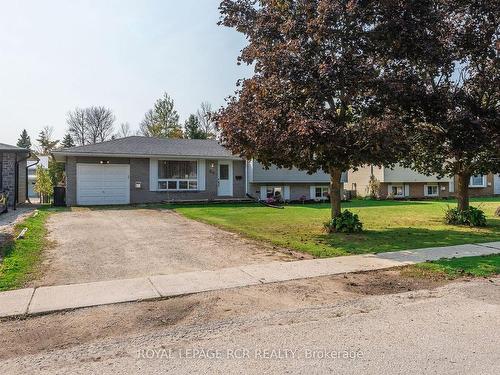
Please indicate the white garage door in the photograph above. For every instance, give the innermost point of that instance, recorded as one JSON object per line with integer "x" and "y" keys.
{"x": 102, "y": 184}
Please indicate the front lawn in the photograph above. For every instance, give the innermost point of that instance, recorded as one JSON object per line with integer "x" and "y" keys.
{"x": 389, "y": 225}
{"x": 457, "y": 267}
{"x": 21, "y": 257}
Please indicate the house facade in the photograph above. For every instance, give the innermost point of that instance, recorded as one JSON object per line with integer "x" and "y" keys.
{"x": 290, "y": 184}
{"x": 13, "y": 173}
{"x": 137, "y": 169}
{"x": 400, "y": 182}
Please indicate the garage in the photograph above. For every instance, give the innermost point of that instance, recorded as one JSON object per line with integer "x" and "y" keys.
{"x": 102, "y": 184}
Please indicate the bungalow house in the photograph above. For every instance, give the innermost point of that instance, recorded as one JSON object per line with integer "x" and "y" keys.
{"x": 13, "y": 173}
{"x": 400, "y": 182}
{"x": 147, "y": 170}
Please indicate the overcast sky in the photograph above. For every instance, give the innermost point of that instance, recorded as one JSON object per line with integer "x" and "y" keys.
{"x": 57, "y": 55}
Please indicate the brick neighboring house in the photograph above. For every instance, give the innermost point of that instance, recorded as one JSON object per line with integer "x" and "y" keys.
{"x": 13, "y": 173}
{"x": 401, "y": 182}
{"x": 147, "y": 170}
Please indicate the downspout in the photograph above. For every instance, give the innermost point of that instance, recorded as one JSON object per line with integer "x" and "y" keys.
{"x": 246, "y": 178}
{"x": 16, "y": 178}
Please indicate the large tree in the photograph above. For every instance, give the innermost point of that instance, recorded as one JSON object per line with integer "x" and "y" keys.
{"x": 205, "y": 117}
{"x": 447, "y": 83}
{"x": 24, "y": 140}
{"x": 100, "y": 123}
{"x": 77, "y": 126}
{"x": 124, "y": 130}
{"x": 46, "y": 141}
{"x": 313, "y": 101}
{"x": 162, "y": 121}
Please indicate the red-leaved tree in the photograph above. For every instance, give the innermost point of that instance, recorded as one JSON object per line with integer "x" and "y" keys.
{"x": 446, "y": 81}
{"x": 316, "y": 99}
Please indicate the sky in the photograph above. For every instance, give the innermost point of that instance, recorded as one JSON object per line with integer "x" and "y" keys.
{"x": 56, "y": 55}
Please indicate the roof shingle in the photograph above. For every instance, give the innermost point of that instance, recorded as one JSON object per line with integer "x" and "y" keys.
{"x": 148, "y": 146}
{"x": 6, "y": 147}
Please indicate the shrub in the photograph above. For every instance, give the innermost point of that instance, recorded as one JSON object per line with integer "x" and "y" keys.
{"x": 471, "y": 216}
{"x": 346, "y": 222}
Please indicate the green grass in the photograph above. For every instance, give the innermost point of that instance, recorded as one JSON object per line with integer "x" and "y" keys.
{"x": 389, "y": 225}
{"x": 453, "y": 268}
{"x": 22, "y": 257}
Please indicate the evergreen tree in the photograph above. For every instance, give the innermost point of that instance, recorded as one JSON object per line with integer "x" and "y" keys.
{"x": 162, "y": 121}
{"x": 67, "y": 141}
{"x": 192, "y": 128}
{"x": 24, "y": 140}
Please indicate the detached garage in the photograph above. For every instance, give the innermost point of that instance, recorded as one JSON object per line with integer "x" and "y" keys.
{"x": 102, "y": 184}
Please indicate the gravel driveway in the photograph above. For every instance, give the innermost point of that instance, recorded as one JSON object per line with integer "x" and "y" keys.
{"x": 91, "y": 245}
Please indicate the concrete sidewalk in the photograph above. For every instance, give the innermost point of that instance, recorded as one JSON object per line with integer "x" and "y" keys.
{"x": 64, "y": 297}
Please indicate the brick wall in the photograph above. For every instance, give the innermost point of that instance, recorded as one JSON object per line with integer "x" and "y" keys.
{"x": 8, "y": 175}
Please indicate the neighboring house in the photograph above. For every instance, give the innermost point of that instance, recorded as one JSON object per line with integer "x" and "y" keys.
{"x": 13, "y": 173}
{"x": 33, "y": 163}
{"x": 400, "y": 182}
{"x": 146, "y": 170}
{"x": 290, "y": 184}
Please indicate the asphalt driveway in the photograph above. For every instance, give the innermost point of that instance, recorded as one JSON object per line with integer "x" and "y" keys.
{"x": 92, "y": 245}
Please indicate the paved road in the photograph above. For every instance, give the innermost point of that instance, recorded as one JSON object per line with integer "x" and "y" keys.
{"x": 449, "y": 330}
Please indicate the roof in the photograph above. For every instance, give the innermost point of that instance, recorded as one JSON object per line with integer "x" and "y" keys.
{"x": 5, "y": 147}
{"x": 151, "y": 147}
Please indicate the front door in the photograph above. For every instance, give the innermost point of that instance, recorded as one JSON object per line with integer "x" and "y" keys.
{"x": 496, "y": 183}
{"x": 225, "y": 179}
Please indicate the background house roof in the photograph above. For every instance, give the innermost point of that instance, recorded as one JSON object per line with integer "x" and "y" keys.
{"x": 5, "y": 147}
{"x": 148, "y": 146}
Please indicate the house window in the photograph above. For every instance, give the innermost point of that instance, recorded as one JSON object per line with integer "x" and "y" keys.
{"x": 431, "y": 190}
{"x": 477, "y": 181}
{"x": 321, "y": 192}
{"x": 397, "y": 190}
{"x": 274, "y": 192}
{"x": 177, "y": 175}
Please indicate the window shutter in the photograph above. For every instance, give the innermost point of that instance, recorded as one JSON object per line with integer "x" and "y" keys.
{"x": 153, "y": 174}
{"x": 407, "y": 190}
{"x": 425, "y": 191}
{"x": 389, "y": 189}
{"x": 201, "y": 175}
{"x": 451, "y": 187}
{"x": 263, "y": 192}
{"x": 312, "y": 192}
{"x": 286, "y": 193}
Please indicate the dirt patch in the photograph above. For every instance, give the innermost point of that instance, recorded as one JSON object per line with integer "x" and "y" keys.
{"x": 94, "y": 245}
{"x": 63, "y": 330}
{"x": 8, "y": 222}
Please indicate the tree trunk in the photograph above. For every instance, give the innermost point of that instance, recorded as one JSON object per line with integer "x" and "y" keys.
{"x": 463, "y": 180}
{"x": 335, "y": 191}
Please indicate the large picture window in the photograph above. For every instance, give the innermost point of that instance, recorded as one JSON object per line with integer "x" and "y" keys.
{"x": 477, "y": 181}
{"x": 177, "y": 175}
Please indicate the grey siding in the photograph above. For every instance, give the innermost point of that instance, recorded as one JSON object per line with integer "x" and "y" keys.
{"x": 21, "y": 189}
{"x": 258, "y": 174}
{"x": 274, "y": 174}
{"x": 70, "y": 170}
{"x": 239, "y": 178}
